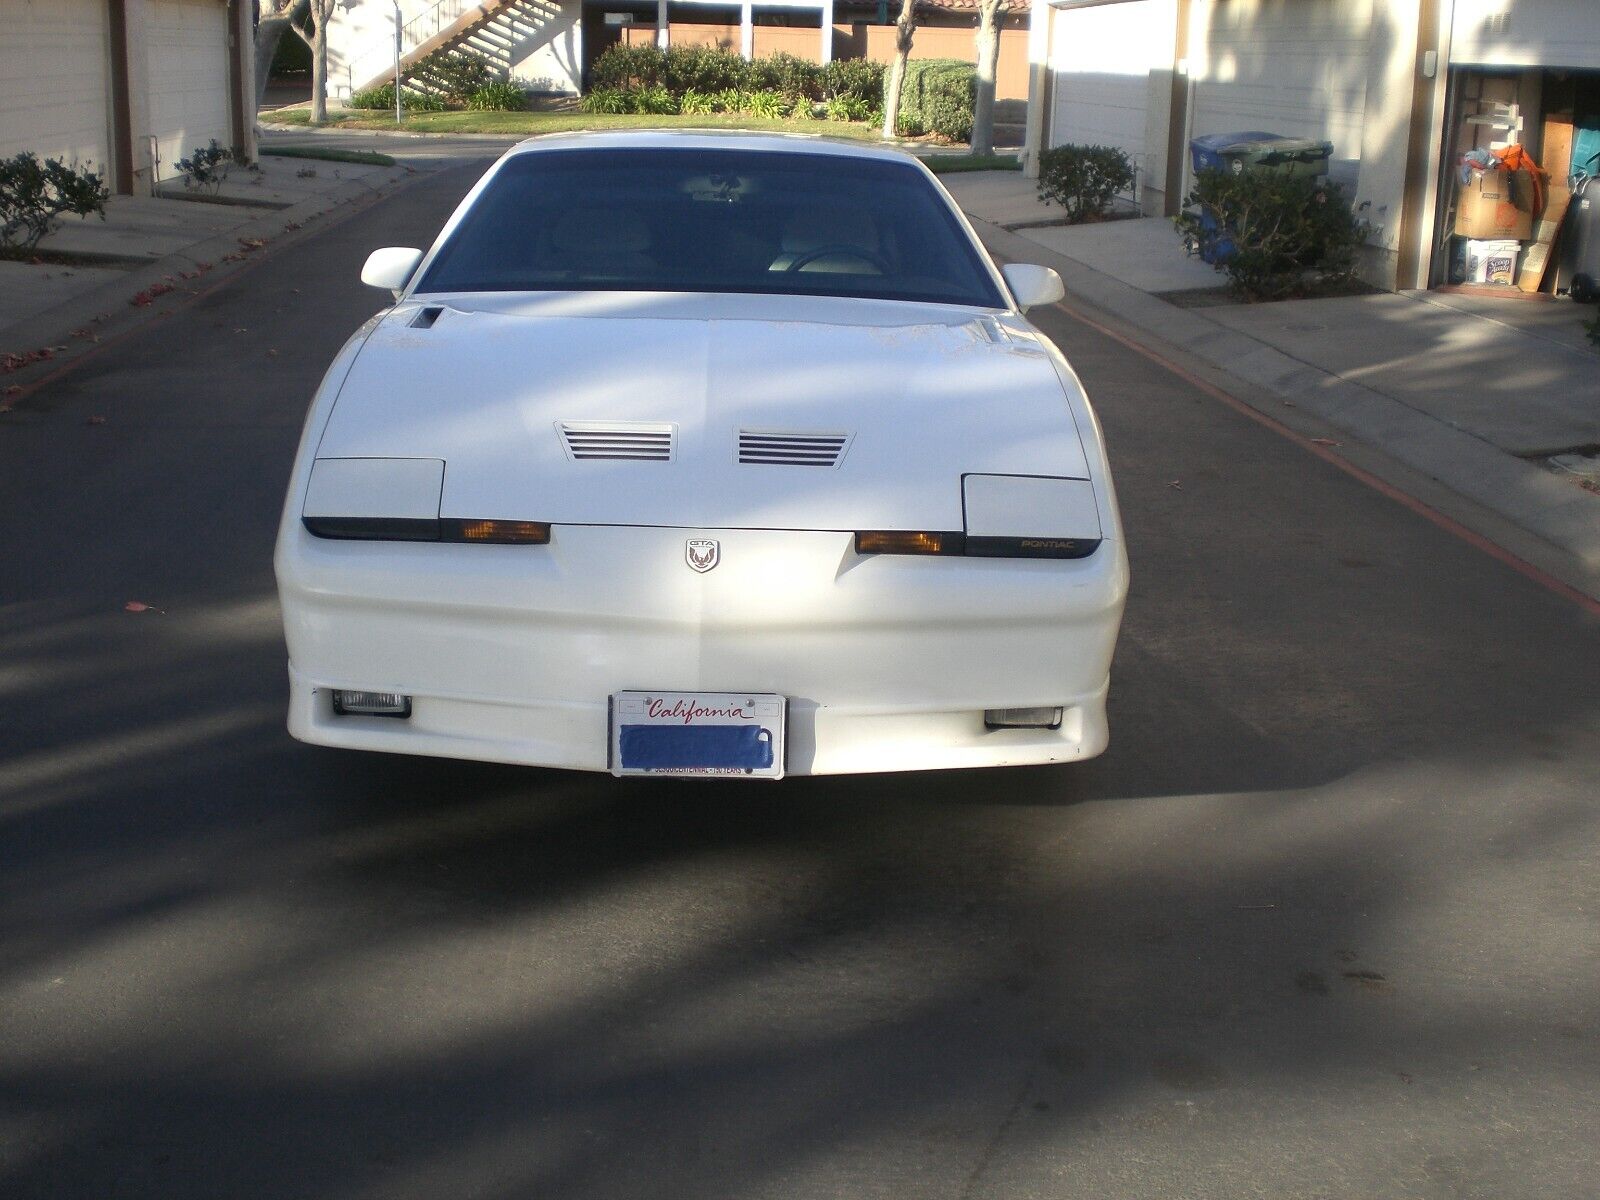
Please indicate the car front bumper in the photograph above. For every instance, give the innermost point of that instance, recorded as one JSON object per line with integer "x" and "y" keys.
{"x": 511, "y": 653}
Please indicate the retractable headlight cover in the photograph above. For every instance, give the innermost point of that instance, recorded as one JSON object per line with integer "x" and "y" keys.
{"x": 397, "y": 500}
{"x": 389, "y": 499}
{"x": 1029, "y": 516}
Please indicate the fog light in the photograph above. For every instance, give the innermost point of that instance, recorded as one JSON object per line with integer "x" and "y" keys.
{"x": 1022, "y": 718}
{"x": 371, "y": 704}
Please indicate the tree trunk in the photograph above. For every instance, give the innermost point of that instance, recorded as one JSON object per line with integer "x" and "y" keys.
{"x": 321, "y": 14}
{"x": 275, "y": 18}
{"x": 990, "y": 13}
{"x": 905, "y": 28}
{"x": 319, "y": 75}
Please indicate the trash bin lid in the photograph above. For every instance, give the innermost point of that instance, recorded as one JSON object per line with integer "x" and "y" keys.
{"x": 1225, "y": 141}
{"x": 1299, "y": 147}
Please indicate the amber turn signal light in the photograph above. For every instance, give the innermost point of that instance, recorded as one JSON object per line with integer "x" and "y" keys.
{"x": 521, "y": 533}
{"x": 905, "y": 541}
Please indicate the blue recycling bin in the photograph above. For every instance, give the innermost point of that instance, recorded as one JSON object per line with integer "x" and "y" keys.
{"x": 1255, "y": 150}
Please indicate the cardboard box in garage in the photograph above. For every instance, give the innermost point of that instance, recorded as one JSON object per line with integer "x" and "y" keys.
{"x": 1496, "y": 204}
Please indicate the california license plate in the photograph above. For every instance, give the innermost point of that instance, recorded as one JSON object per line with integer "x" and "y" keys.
{"x": 734, "y": 734}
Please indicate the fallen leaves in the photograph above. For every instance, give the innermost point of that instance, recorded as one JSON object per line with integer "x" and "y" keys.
{"x": 147, "y": 297}
{"x": 139, "y": 606}
{"x": 95, "y": 420}
{"x": 16, "y": 360}
{"x": 1176, "y": 485}
{"x": 1325, "y": 442}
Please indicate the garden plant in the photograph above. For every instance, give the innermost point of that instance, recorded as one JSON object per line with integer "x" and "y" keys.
{"x": 34, "y": 195}
{"x": 1290, "y": 235}
{"x": 1084, "y": 180}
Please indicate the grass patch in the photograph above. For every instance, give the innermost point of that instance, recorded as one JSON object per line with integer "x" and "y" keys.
{"x": 530, "y": 123}
{"x": 367, "y": 158}
{"x": 955, "y": 164}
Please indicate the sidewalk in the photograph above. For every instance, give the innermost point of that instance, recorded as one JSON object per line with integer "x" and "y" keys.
{"x": 151, "y": 245}
{"x": 1476, "y": 392}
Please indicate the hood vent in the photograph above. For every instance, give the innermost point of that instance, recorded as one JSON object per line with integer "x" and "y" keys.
{"x": 616, "y": 440}
{"x": 792, "y": 449}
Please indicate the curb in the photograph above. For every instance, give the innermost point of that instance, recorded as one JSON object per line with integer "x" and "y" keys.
{"x": 53, "y": 326}
{"x": 1531, "y": 498}
{"x": 352, "y": 131}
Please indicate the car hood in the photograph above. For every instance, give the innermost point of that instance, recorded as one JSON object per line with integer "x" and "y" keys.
{"x": 513, "y": 393}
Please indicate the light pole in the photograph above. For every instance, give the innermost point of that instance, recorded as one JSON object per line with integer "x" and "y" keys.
{"x": 399, "y": 115}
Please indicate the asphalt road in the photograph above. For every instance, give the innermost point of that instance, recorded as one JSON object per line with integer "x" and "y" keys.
{"x": 1322, "y": 923}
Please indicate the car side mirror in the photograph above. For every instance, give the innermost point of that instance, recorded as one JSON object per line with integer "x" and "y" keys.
{"x": 390, "y": 268}
{"x": 1033, "y": 285}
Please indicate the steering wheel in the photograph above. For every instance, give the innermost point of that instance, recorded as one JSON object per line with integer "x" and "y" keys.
{"x": 810, "y": 256}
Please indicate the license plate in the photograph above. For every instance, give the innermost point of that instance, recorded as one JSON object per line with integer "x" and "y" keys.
{"x": 734, "y": 734}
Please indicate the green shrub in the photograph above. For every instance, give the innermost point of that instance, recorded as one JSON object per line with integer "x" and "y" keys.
{"x": 655, "y": 99}
{"x": 206, "y": 166}
{"x": 1083, "y": 179}
{"x": 858, "y": 78}
{"x": 456, "y": 75}
{"x": 938, "y": 97}
{"x": 790, "y": 76}
{"x": 768, "y": 105}
{"x": 703, "y": 68}
{"x": 728, "y": 100}
{"x": 499, "y": 96}
{"x": 847, "y": 108}
{"x": 607, "y": 100}
{"x": 694, "y": 102}
{"x": 34, "y": 194}
{"x": 625, "y": 67}
{"x": 803, "y": 109}
{"x": 382, "y": 97}
{"x": 1291, "y": 235}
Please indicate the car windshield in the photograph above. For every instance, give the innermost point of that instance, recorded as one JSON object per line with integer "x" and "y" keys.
{"x": 699, "y": 220}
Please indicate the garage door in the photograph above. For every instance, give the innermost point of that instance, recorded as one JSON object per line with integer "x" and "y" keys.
{"x": 1296, "y": 69}
{"x": 1531, "y": 33}
{"x": 55, "y": 86}
{"x": 1101, "y": 57}
{"x": 188, "y": 42}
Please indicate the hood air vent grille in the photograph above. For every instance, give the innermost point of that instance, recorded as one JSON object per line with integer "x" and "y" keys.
{"x": 792, "y": 449}
{"x": 616, "y": 440}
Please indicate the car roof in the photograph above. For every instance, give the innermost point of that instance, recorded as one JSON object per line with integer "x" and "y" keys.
{"x": 707, "y": 139}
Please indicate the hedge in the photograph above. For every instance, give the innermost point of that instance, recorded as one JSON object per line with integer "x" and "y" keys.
{"x": 938, "y": 97}
{"x": 710, "y": 70}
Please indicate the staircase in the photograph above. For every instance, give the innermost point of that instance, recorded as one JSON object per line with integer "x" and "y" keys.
{"x": 498, "y": 31}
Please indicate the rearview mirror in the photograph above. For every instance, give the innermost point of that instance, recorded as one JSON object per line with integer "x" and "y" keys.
{"x": 1033, "y": 285}
{"x": 390, "y": 268}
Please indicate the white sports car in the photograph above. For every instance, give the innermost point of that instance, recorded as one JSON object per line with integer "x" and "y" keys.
{"x": 703, "y": 454}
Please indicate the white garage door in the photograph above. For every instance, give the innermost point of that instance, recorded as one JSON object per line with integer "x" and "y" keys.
{"x": 188, "y": 41}
{"x": 1294, "y": 69}
{"x": 1101, "y": 58}
{"x": 55, "y": 80}
{"x": 1529, "y": 33}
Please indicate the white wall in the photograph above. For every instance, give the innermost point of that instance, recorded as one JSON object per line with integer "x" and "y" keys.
{"x": 187, "y": 45}
{"x": 55, "y": 80}
{"x": 1292, "y": 67}
{"x": 1111, "y": 65}
{"x": 361, "y": 42}
{"x": 1526, "y": 33}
